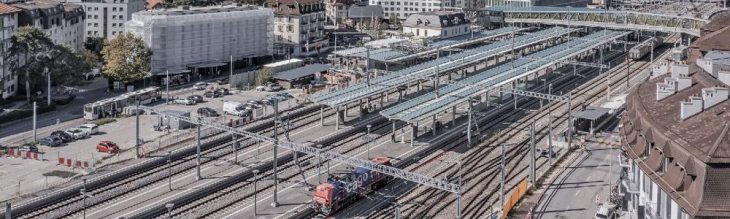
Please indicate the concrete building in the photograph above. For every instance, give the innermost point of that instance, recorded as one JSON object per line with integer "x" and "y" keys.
{"x": 676, "y": 142}
{"x": 401, "y": 9}
{"x": 714, "y": 62}
{"x": 8, "y": 26}
{"x": 530, "y": 3}
{"x": 336, "y": 9}
{"x": 437, "y": 24}
{"x": 105, "y": 18}
{"x": 62, "y": 22}
{"x": 196, "y": 40}
{"x": 299, "y": 27}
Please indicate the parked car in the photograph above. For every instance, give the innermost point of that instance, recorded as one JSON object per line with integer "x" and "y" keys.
{"x": 270, "y": 87}
{"x": 51, "y": 141}
{"x": 77, "y": 133}
{"x": 200, "y": 85}
{"x": 107, "y": 147}
{"x": 184, "y": 101}
{"x": 65, "y": 137}
{"x": 223, "y": 91}
{"x": 196, "y": 98}
{"x": 235, "y": 108}
{"x": 92, "y": 129}
{"x": 207, "y": 112}
{"x": 28, "y": 147}
{"x": 222, "y": 81}
{"x": 213, "y": 94}
{"x": 257, "y": 102}
{"x": 605, "y": 212}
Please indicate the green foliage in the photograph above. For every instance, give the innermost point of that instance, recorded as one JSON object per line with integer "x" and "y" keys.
{"x": 263, "y": 75}
{"x": 33, "y": 54}
{"x": 29, "y": 54}
{"x": 90, "y": 59}
{"x": 104, "y": 121}
{"x": 24, "y": 113}
{"x": 95, "y": 45}
{"x": 126, "y": 58}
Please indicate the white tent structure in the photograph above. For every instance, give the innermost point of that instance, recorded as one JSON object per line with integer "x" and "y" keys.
{"x": 203, "y": 37}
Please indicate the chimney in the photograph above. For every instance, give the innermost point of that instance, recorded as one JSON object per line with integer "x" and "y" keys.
{"x": 659, "y": 69}
{"x": 714, "y": 95}
{"x": 724, "y": 77}
{"x": 691, "y": 107}
{"x": 666, "y": 88}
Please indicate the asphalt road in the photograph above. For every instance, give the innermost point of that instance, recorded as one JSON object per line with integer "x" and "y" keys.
{"x": 574, "y": 193}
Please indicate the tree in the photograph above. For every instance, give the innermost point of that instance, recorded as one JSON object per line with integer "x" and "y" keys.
{"x": 29, "y": 54}
{"x": 263, "y": 75}
{"x": 68, "y": 66}
{"x": 95, "y": 45}
{"x": 126, "y": 58}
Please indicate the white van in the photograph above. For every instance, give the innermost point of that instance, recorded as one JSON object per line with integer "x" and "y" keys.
{"x": 234, "y": 108}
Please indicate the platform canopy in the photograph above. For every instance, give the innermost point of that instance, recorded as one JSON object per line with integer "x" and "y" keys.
{"x": 443, "y": 64}
{"x": 454, "y": 93}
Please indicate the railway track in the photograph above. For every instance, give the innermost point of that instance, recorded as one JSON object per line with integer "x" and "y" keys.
{"x": 480, "y": 165}
{"x": 68, "y": 201}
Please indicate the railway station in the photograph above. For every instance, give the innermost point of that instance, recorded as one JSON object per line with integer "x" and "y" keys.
{"x": 535, "y": 112}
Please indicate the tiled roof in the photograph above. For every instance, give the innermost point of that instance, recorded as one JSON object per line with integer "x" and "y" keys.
{"x": 697, "y": 149}
{"x": 151, "y": 4}
{"x": 714, "y": 41}
{"x": 7, "y": 9}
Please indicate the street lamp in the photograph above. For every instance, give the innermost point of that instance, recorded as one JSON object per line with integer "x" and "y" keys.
{"x": 255, "y": 190}
{"x": 169, "y": 207}
{"x": 86, "y": 195}
{"x": 369, "y": 140}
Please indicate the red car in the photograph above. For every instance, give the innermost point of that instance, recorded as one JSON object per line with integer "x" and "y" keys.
{"x": 107, "y": 147}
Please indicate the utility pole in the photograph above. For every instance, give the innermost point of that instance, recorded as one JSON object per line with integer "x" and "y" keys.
{"x": 136, "y": 131}
{"x": 550, "y": 138}
{"x": 35, "y": 113}
{"x": 49, "y": 86}
{"x": 235, "y": 148}
{"x": 169, "y": 169}
{"x": 255, "y": 190}
{"x": 468, "y": 124}
{"x": 369, "y": 140}
{"x": 532, "y": 153}
{"x": 275, "y": 104}
{"x": 501, "y": 176}
{"x": 167, "y": 85}
{"x": 197, "y": 155}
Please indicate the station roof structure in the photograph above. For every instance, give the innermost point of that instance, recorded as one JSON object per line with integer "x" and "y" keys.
{"x": 458, "y": 41}
{"x": 444, "y": 64}
{"x": 591, "y": 113}
{"x": 460, "y": 91}
{"x": 395, "y": 55}
{"x": 616, "y": 19}
{"x": 301, "y": 72}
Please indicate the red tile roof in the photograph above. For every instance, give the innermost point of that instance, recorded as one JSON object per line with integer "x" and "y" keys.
{"x": 7, "y": 9}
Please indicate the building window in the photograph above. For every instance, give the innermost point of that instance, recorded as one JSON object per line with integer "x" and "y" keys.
{"x": 121, "y": 17}
{"x": 114, "y": 17}
{"x": 114, "y": 33}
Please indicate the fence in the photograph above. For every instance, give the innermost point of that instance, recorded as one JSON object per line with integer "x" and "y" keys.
{"x": 516, "y": 196}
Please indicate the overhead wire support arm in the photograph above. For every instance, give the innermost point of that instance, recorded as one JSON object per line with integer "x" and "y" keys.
{"x": 324, "y": 154}
{"x": 561, "y": 98}
{"x": 571, "y": 62}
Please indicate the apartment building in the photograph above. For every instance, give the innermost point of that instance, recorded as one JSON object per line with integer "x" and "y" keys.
{"x": 436, "y": 24}
{"x": 8, "y": 25}
{"x": 299, "y": 27}
{"x": 62, "y": 22}
{"x": 337, "y": 9}
{"x": 185, "y": 40}
{"x": 401, "y": 9}
{"x": 106, "y": 18}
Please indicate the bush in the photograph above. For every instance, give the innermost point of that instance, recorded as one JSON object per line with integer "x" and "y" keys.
{"x": 104, "y": 121}
{"x": 24, "y": 113}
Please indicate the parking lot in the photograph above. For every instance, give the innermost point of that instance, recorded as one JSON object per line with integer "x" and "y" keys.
{"x": 35, "y": 173}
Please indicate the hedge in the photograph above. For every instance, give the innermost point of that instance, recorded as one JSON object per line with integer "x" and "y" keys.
{"x": 24, "y": 113}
